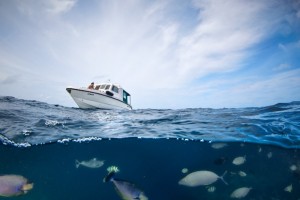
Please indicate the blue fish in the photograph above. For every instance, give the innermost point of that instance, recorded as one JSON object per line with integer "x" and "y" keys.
{"x": 126, "y": 190}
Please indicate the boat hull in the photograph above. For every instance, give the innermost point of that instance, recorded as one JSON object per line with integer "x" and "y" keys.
{"x": 88, "y": 99}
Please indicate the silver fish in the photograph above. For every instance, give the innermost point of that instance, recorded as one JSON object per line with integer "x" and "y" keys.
{"x": 93, "y": 163}
{"x": 199, "y": 178}
{"x": 126, "y": 190}
{"x": 240, "y": 192}
{"x": 239, "y": 160}
{"x": 14, "y": 185}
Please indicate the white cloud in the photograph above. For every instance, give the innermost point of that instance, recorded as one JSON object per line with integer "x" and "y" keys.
{"x": 140, "y": 44}
{"x": 289, "y": 48}
{"x": 282, "y": 47}
{"x": 225, "y": 33}
{"x": 38, "y": 9}
{"x": 60, "y": 6}
{"x": 247, "y": 91}
{"x": 283, "y": 66}
{"x": 296, "y": 5}
{"x": 298, "y": 44}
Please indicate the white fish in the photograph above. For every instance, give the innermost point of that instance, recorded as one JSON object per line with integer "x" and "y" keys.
{"x": 240, "y": 192}
{"x": 184, "y": 170}
{"x": 293, "y": 167}
{"x": 239, "y": 160}
{"x": 242, "y": 174}
{"x": 288, "y": 188}
{"x": 211, "y": 189}
{"x": 93, "y": 163}
{"x": 201, "y": 178}
{"x": 219, "y": 145}
{"x": 259, "y": 150}
{"x": 269, "y": 155}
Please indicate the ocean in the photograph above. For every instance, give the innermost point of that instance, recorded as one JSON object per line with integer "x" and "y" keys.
{"x": 255, "y": 148}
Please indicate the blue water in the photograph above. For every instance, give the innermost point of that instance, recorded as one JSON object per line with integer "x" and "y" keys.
{"x": 151, "y": 147}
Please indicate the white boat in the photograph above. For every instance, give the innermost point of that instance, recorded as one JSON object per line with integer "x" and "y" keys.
{"x": 104, "y": 96}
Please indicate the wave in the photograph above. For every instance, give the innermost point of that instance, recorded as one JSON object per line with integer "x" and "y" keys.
{"x": 28, "y": 122}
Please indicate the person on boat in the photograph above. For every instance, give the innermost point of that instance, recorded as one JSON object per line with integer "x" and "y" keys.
{"x": 91, "y": 86}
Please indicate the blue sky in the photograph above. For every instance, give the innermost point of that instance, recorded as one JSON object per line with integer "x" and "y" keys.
{"x": 165, "y": 53}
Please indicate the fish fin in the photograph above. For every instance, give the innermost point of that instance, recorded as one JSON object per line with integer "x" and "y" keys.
{"x": 26, "y": 187}
{"x": 128, "y": 185}
{"x": 77, "y": 163}
{"x": 109, "y": 177}
{"x": 222, "y": 177}
{"x": 113, "y": 169}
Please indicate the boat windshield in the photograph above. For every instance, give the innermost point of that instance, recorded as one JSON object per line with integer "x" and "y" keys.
{"x": 115, "y": 89}
{"x": 107, "y": 87}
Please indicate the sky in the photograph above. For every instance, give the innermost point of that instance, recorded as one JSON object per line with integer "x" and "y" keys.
{"x": 166, "y": 53}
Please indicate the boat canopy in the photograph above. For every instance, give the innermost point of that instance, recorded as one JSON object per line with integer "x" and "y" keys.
{"x": 117, "y": 92}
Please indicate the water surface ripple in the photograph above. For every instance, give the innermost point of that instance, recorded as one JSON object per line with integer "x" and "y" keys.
{"x": 25, "y": 122}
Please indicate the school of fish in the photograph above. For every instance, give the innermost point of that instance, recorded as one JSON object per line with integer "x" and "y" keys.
{"x": 15, "y": 185}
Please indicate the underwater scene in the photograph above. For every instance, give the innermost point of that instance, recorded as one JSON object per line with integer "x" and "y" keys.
{"x": 53, "y": 152}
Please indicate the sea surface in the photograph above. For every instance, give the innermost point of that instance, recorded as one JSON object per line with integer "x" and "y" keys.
{"x": 153, "y": 149}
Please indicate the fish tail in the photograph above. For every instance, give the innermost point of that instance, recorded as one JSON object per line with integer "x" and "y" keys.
{"x": 77, "y": 163}
{"x": 109, "y": 177}
{"x": 143, "y": 197}
{"x": 112, "y": 170}
{"x": 25, "y": 188}
{"x": 222, "y": 177}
